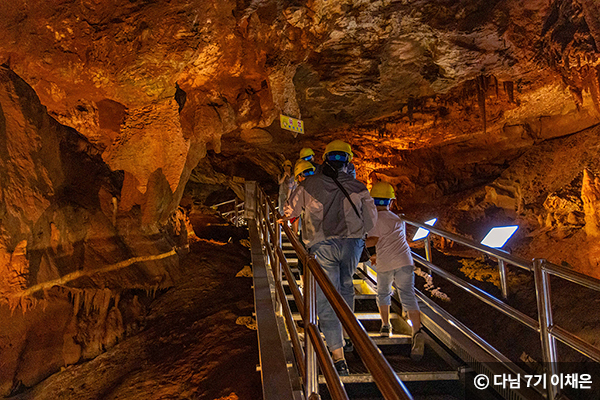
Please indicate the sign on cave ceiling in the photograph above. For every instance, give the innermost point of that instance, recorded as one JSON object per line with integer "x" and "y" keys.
{"x": 291, "y": 124}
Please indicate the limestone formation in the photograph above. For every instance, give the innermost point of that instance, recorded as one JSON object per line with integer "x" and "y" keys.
{"x": 480, "y": 112}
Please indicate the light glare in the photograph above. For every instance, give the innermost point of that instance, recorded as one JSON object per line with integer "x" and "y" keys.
{"x": 497, "y": 237}
{"x": 421, "y": 232}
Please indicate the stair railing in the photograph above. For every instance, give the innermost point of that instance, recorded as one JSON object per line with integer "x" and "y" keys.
{"x": 314, "y": 350}
{"x": 235, "y": 216}
{"x": 549, "y": 332}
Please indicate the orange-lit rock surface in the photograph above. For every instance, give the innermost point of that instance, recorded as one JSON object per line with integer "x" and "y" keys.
{"x": 480, "y": 112}
{"x": 192, "y": 344}
{"x": 71, "y": 260}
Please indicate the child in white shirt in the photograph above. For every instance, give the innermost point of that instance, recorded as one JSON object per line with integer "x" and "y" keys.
{"x": 393, "y": 262}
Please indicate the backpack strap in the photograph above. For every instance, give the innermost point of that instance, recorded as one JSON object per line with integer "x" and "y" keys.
{"x": 331, "y": 172}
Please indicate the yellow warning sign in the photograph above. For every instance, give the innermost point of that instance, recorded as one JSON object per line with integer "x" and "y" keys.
{"x": 291, "y": 124}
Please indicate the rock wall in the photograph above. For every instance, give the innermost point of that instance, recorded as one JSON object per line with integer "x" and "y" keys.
{"x": 65, "y": 293}
{"x": 551, "y": 192}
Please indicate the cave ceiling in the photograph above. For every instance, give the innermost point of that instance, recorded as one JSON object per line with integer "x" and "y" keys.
{"x": 154, "y": 84}
{"x": 437, "y": 97}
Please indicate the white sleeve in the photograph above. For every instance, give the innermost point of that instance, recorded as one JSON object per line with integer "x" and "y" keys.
{"x": 295, "y": 203}
{"x": 369, "y": 212}
{"x": 374, "y": 232}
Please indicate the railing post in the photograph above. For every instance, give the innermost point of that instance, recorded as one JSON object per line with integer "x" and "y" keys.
{"x": 428, "y": 251}
{"x": 258, "y": 212}
{"x": 310, "y": 303}
{"x": 235, "y": 212}
{"x": 250, "y": 199}
{"x": 267, "y": 222}
{"x": 277, "y": 245}
{"x": 542, "y": 289}
{"x": 503, "y": 278}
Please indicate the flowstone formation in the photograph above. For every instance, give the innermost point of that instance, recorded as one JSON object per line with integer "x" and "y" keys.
{"x": 479, "y": 111}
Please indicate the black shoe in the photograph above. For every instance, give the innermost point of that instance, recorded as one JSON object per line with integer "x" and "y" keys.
{"x": 348, "y": 346}
{"x": 341, "y": 367}
{"x": 385, "y": 331}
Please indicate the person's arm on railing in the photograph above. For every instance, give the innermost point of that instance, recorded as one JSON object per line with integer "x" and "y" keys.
{"x": 294, "y": 205}
{"x": 371, "y": 242}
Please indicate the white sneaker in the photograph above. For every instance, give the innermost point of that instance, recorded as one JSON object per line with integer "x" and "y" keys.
{"x": 418, "y": 347}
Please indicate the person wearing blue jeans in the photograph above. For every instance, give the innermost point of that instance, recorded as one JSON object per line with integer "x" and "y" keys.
{"x": 333, "y": 229}
{"x": 339, "y": 258}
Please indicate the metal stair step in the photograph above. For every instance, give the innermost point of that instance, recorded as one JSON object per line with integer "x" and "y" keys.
{"x": 356, "y": 297}
{"x": 357, "y": 282}
{"x": 403, "y": 376}
{"x": 395, "y": 339}
{"x": 359, "y": 316}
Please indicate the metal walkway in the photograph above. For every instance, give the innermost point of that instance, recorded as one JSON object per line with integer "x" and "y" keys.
{"x": 296, "y": 365}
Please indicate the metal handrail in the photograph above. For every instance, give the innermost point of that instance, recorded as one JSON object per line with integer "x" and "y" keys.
{"x": 481, "y": 295}
{"x": 234, "y": 215}
{"x": 291, "y": 326}
{"x": 223, "y": 203}
{"x": 383, "y": 375}
{"x": 233, "y": 211}
{"x": 573, "y": 276}
{"x": 335, "y": 386}
{"x": 499, "y": 254}
{"x": 541, "y": 269}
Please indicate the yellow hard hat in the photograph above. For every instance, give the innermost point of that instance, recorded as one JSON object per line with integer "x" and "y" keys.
{"x": 302, "y": 166}
{"x": 306, "y": 152}
{"x": 382, "y": 190}
{"x": 339, "y": 145}
{"x": 287, "y": 162}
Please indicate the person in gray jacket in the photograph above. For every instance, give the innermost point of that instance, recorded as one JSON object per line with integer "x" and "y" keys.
{"x": 334, "y": 232}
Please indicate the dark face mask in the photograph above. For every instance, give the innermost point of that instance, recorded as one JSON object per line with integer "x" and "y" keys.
{"x": 332, "y": 168}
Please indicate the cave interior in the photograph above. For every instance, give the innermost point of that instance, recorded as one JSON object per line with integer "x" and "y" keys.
{"x": 122, "y": 121}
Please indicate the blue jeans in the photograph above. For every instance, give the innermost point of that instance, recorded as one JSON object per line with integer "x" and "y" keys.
{"x": 404, "y": 277}
{"x": 339, "y": 258}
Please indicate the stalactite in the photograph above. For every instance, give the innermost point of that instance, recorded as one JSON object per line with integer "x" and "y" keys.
{"x": 493, "y": 81}
{"x": 88, "y": 300}
{"x": 577, "y": 94}
{"x": 509, "y": 88}
{"x": 76, "y": 302}
{"x": 104, "y": 303}
{"x": 481, "y": 89}
{"x": 595, "y": 84}
{"x": 590, "y": 81}
{"x": 45, "y": 303}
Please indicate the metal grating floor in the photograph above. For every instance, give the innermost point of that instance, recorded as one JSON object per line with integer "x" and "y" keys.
{"x": 400, "y": 361}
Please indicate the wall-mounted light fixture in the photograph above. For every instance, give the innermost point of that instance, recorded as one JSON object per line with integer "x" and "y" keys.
{"x": 498, "y": 236}
{"x": 422, "y": 233}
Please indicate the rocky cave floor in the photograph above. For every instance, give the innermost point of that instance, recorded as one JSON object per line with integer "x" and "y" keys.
{"x": 194, "y": 345}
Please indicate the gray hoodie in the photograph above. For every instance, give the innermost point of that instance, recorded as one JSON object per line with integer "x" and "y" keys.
{"x": 327, "y": 213}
